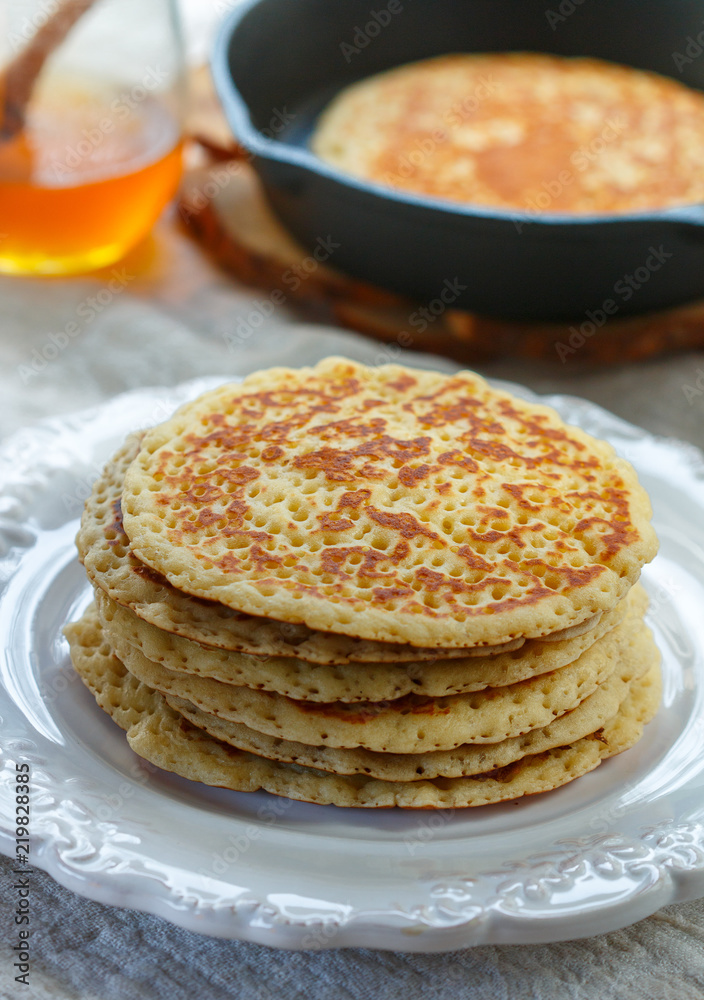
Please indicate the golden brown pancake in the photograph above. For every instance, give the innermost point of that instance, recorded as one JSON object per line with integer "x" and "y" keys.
{"x": 369, "y": 586}
{"x": 159, "y": 734}
{"x": 112, "y": 567}
{"x": 388, "y": 504}
{"x": 522, "y": 131}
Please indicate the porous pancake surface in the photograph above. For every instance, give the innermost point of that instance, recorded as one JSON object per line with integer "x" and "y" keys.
{"x": 638, "y": 655}
{"x": 411, "y": 724}
{"x": 387, "y": 503}
{"x": 352, "y": 682}
{"x": 113, "y": 569}
{"x": 522, "y": 131}
{"x": 160, "y": 735}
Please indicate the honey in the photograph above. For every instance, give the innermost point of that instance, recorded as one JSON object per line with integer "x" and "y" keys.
{"x": 83, "y": 182}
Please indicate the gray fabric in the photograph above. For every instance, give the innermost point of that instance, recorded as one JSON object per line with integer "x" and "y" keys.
{"x": 85, "y": 950}
{"x": 92, "y": 952}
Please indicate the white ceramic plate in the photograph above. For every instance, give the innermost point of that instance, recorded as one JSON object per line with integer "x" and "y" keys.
{"x": 600, "y": 853}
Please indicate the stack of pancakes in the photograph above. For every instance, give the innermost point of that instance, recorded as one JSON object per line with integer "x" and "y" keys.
{"x": 369, "y": 587}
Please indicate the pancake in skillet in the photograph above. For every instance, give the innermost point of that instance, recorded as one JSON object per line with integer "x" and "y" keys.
{"x": 522, "y": 130}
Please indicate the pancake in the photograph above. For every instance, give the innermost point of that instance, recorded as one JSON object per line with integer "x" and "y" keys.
{"x": 522, "y": 131}
{"x": 638, "y": 655}
{"x": 412, "y": 724}
{"x": 369, "y": 587}
{"x": 160, "y": 735}
{"x": 355, "y": 681}
{"x": 388, "y": 504}
{"x": 112, "y": 567}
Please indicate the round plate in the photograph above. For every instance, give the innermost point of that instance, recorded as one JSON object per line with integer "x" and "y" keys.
{"x": 602, "y": 852}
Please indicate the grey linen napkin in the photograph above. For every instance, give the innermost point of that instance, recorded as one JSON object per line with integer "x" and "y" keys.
{"x": 85, "y": 951}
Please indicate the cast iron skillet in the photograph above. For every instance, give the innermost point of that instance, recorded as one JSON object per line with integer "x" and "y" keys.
{"x": 276, "y": 63}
